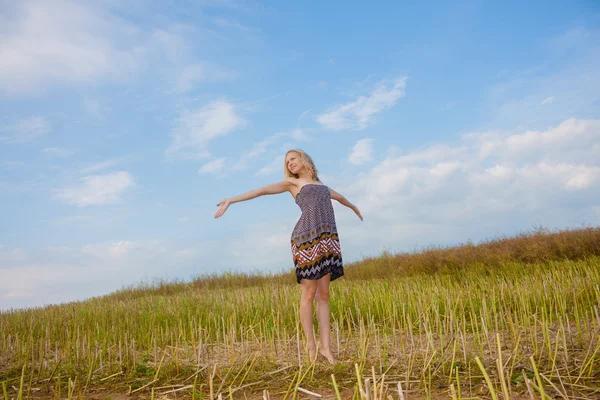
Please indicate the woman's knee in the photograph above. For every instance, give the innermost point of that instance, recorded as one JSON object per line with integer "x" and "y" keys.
{"x": 322, "y": 294}
{"x": 308, "y": 294}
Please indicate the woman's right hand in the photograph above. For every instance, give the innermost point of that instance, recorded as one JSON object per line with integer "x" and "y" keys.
{"x": 224, "y": 204}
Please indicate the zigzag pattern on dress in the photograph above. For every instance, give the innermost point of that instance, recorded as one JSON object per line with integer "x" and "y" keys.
{"x": 309, "y": 253}
{"x": 331, "y": 265}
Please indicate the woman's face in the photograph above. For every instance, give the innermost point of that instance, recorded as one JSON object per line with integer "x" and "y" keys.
{"x": 293, "y": 162}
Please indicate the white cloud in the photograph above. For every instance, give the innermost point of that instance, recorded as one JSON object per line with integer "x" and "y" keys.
{"x": 547, "y": 100}
{"x": 99, "y": 166}
{"x": 495, "y": 174}
{"x": 48, "y": 43}
{"x": 195, "y": 129}
{"x": 257, "y": 150}
{"x": 304, "y": 114}
{"x": 359, "y": 113}
{"x": 273, "y": 167}
{"x": 362, "y": 152}
{"x": 97, "y": 189}
{"x": 261, "y": 148}
{"x": 570, "y": 141}
{"x": 487, "y": 184}
{"x": 569, "y": 176}
{"x": 213, "y": 167}
{"x": 63, "y": 41}
{"x": 300, "y": 135}
{"x": 25, "y": 130}
{"x": 444, "y": 169}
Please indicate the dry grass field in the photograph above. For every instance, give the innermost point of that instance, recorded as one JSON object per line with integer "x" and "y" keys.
{"x": 508, "y": 318}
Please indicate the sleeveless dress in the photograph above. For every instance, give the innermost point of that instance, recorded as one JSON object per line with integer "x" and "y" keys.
{"x": 315, "y": 242}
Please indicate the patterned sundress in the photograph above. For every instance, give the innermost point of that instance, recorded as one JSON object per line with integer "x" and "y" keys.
{"x": 315, "y": 242}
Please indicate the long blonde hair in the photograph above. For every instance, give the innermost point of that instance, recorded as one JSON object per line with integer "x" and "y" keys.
{"x": 306, "y": 160}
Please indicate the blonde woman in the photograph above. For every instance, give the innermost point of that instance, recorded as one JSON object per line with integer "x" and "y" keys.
{"x": 315, "y": 242}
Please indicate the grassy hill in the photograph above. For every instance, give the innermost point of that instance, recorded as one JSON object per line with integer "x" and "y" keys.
{"x": 510, "y": 315}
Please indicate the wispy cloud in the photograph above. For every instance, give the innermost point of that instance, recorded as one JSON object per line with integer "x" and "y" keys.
{"x": 25, "y": 130}
{"x": 63, "y": 41}
{"x": 69, "y": 42}
{"x": 300, "y": 135}
{"x": 304, "y": 114}
{"x": 359, "y": 113}
{"x": 548, "y": 100}
{"x": 257, "y": 150}
{"x": 272, "y": 167}
{"x": 196, "y": 129}
{"x": 96, "y": 189}
{"x": 262, "y": 148}
{"x": 362, "y": 152}
{"x": 99, "y": 166}
{"x": 213, "y": 167}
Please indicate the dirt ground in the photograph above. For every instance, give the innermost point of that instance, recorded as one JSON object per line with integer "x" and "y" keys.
{"x": 103, "y": 393}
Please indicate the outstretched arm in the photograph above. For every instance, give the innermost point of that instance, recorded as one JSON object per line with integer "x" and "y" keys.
{"x": 336, "y": 196}
{"x": 274, "y": 188}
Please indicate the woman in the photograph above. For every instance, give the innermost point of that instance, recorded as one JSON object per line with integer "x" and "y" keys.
{"x": 315, "y": 243}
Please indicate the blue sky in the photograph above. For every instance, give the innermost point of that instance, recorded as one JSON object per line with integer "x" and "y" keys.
{"x": 122, "y": 126}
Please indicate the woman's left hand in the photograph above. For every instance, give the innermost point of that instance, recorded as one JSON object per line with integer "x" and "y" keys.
{"x": 224, "y": 205}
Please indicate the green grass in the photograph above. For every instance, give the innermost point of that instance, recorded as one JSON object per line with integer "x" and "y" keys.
{"x": 523, "y": 310}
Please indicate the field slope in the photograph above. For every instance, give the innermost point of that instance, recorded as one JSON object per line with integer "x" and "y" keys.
{"x": 507, "y": 317}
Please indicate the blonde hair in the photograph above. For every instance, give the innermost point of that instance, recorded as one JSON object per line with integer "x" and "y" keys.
{"x": 306, "y": 160}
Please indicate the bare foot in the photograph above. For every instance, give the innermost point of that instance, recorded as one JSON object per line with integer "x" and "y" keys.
{"x": 328, "y": 355}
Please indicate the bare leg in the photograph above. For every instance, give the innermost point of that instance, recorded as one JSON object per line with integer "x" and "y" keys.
{"x": 323, "y": 317}
{"x": 309, "y": 289}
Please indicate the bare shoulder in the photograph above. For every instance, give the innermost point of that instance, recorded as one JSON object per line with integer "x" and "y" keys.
{"x": 292, "y": 183}
{"x": 295, "y": 185}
